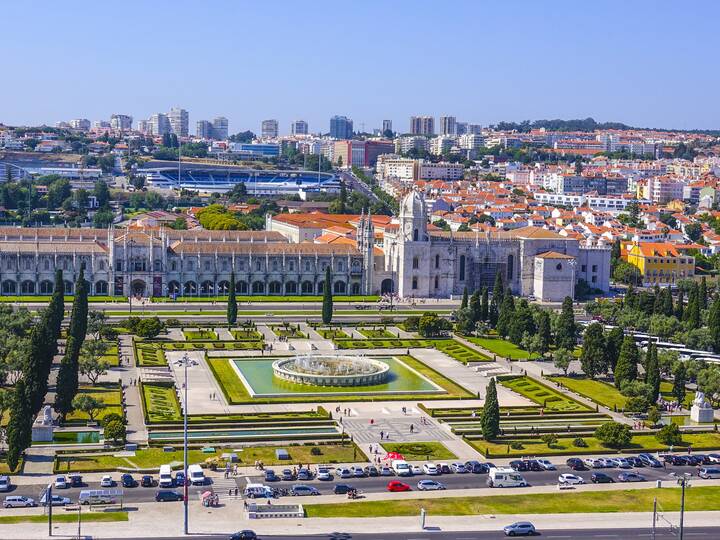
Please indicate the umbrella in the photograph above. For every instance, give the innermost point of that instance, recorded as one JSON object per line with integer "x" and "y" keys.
{"x": 394, "y": 455}
{"x": 207, "y": 494}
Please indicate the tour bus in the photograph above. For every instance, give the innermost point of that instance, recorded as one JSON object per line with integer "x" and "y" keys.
{"x": 505, "y": 478}
{"x": 196, "y": 475}
{"x": 97, "y": 496}
{"x": 166, "y": 479}
{"x": 401, "y": 467}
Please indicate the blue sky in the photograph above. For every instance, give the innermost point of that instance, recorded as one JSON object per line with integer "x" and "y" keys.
{"x": 646, "y": 63}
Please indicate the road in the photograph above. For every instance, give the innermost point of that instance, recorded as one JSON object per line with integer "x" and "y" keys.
{"x": 559, "y": 534}
{"x": 365, "y": 485}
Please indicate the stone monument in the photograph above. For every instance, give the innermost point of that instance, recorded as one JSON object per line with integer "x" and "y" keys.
{"x": 43, "y": 427}
{"x": 701, "y": 410}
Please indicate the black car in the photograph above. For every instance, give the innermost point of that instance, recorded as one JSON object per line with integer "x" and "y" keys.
{"x": 444, "y": 469}
{"x": 128, "y": 481}
{"x": 288, "y": 475}
{"x": 76, "y": 480}
{"x": 635, "y": 461}
{"x": 533, "y": 465}
{"x": 166, "y": 495}
{"x": 601, "y": 478}
{"x": 270, "y": 476}
{"x": 147, "y": 481}
{"x": 576, "y": 464}
{"x": 342, "y": 489}
{"x": 244, "y": 535}
{"x": 693, "y": 460}
{"x": 476, "y": 467}
{"x": 372, "y": 470}
{"x": 702, "y": 459}
{"x": 519, "y": 465}
{"x": 675, "y": 460}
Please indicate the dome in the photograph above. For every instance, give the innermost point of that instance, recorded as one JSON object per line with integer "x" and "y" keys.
{"x": 413, "y": 204}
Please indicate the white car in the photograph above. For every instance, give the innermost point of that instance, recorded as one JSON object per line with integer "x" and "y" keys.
{"x": 621, "y": 463}
{"x": 323, "y": 473}
{"x": 107, "y": 481}
{"x": 606, "y": 463}
{"x": 593, "y": 463}
{"x": 570, "y": 479}
{"x": 416, "y": 470}
{"x": 430, "y": 485}
{"x": 344, "y": 472}
{"x": 431, "y": 469}
{"x": 18, "y": 501}
{"x": 60, "y": 482}
{"x": 386, "y": 471}
{"x": 545, "y": 464}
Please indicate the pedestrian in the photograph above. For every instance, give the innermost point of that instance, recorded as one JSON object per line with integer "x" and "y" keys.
{"x": 412, "y": 428}
{"x": 372, "y": 421}
{"x": 382, "y": 433}
{"x": 245, "y": 504}
{"x": 236, "y": 492}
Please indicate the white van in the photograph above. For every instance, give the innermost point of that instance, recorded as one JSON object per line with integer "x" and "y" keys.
{"x": 258, "y": 491}
{"x": 5, "y": 484}
{"x": 401, "y": 467}
{"x": 709, "y": 473}
{"x": 196, "y": 475}
{"x": 96, "y": 496}
{"x": 505, "y": 478}
{"x": 165, "y": 480}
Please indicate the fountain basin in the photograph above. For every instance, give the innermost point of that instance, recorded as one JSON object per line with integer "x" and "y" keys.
{"x": 332, "y": 370}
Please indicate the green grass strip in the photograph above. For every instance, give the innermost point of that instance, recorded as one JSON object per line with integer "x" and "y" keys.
{"x": 70, "y": 517}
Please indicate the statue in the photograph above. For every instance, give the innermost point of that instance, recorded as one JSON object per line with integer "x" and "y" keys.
{"x": 44, "y": 426}
{"x": 701, "y": 410}
{"x": 47, "y": 416}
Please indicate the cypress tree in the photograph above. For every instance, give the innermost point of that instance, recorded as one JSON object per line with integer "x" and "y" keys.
{"x": 613, "y": 343}
{"x": 630, "y": 298}
{"x": 543, "y": 330}
{"x": 484, "y": 307}
{"x": 19, "y": 429}
{"x": 507, "y": 311}
{"x": 702, "y": 293}
{"x": 498, "y": 288}
{"x": 464, "y": 302}
{"x": 658, "y": 303}
{"x": 67, "y": 380}
{"x": 626, "y": 368}
{"x": 692, "y": 312}
{"x": 714, "y": 324}
{"x": 652, "y": 372}
{"x": 593, "y": 357}
{"x": 490, "y": 420}
{"x": 475, "y": 307}
{"x": 680, "y": 307}
{"x": 56, "y": 307}
{"x": 678, "y": 390}
{"x": 327, "y": 305}
{"x": 565, "y": 335}
{"x": 38, "y": 364}
{"x": 667, "y": 305}
{"x": 232, "y": 307}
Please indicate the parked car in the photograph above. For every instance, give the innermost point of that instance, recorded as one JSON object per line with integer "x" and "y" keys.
{"x": 270, "y": 476}
{"x": 416, "y": 470}
{"x": 128, "y": 481}
{"x": 621, "y": 463}
{"x": 519, "y": 465}
{"x": 649, "y": 461}
{"x": 357, "y": 471}
{"x": 324, "y": 474}
{"x": 18, "y": 501}
{"x": 168, "y": 495}
{"x": 247, "y": 534}
{"x": 694, "y": 460}
{"x": 386, "y": 471}
{"x": 75, "y": 480}
{"x": 342, "y": 489}
{"x": 444, "y": 468}
{"x": 709, "y": 473}
{"x": 459, "y": 468}
{"x": 288, "y": 475}
{"x": 397, "y": 485}
{"x": 593, "y": 463}
{"x": 675, "y": 460}
{"x": 60, "y": 482}
{"x": 371, "y": 470}
{"x": 430, "y": 485}
{"x": 181, "y": 479}
{"x": 5, "y": 483}
{"x": 57, "y": 500}
{"x": 601, "y": 478}
{"x": 304, "y": 474}
{"x": 147, "y": 481}
{"x": 606, "y": 463}
{"x": 576, "y": 464}
{"x": 635, "y": 461}
{"x": 106, "y": 481}
{"x": 546, "y": 464}
{"x": 631, "y": 477}
{"x": 570, "y": 479}
{"x": 302, "y": 489}
{"x": 714, "y": 458}
{"x": 431, "y": 469}
{"x": 520, "y": 528}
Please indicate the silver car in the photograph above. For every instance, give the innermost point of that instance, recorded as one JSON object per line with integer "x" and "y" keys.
{"x": 519, "y": 528}
{"x": 18, "y": 501}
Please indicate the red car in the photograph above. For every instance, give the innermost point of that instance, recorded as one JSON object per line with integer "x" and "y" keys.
{"x": 396, "y": 485}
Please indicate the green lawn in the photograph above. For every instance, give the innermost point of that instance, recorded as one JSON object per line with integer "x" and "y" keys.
{"x": 149, "y": 354}
{"x": 68, "y": 517}
{"x": 564, "y": 445}
{"x": 376, "y": 333}
{"x": 458, "y": 351}
{"x": 451, "y": 347}
{"x": 111, "y": 355}
{"x": 288, "y": 331}
{"x": 161, "y": 403}
{"x": 542, "y": 395}
{"x": 68, "y": 299}
{"x": 630, "y": 500}
{"x": 246, "y": 334}
{"x": 200, "y": 335}
{"x": 501, "y": 347}
{"x": 598, "y": 391}
{"x": 428, "y": 451}
{"x": 331, "y": 333}
{"x": 282, "y": 299}
{"x": 109, "y": 394}
{"x": 329, "y": 453}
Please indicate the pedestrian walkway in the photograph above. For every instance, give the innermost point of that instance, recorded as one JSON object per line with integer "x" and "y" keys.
{"x": 39, "y": 461}
{"x": 397, "y": 429}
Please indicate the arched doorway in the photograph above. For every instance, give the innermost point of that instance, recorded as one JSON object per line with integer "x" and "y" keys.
{"x": 137, "y": 288}
{"x": 387, "y": 286}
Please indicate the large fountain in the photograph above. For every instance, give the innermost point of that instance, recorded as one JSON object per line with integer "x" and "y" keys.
{"x": 332, "y": 370}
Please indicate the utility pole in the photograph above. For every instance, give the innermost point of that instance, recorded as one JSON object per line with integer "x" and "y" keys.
{"x": 48, "y": 501}
{"x": 654, "y": 521}
{"x": 683, "y": 481}
{"x": 186, "y": 360}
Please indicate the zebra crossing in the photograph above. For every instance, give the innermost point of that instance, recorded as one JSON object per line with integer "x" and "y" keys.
{"x": 225, "y": 487}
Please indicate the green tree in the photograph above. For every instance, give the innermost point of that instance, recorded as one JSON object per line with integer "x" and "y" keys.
{"x": 549, "y": 439}
{"x": 613, "y": 343}
{"x": 19, "y": 430}
{"x": 654, "y": 416}
{"x": 97, "y": 320}
{"x": 91, "y": 363}
{"x": 507, "y": 313}
{"x": 149, "y": 327}
{"x": 327, "y": 305}
{"x": 680, "y": 378}
{"x": 714, "y": 324}
{"x": 115, "y": 430}
{"x": 38, "y": 363}
{"x": 562, "y": 359}
{"x": 566, "y": 332}
{"x": 693, "y": 231}
{"x": 232, "y": 307}
{"x": 593, "y": 357}
{"x": 614, "y": 434}
{"x": 702, "y": 293}
{"x": 88, "y": 404}
{"x": 669, "y": 435}
{"x": 691, "y": 316}
{"x": 652, "y": 373}
{"x": 544, "y": 332}
{"x": 464, "y": 302}
{"x": 484, "y": 305}
{"x": 56, "y": 308}
{"x": 102, "y": 193}
{"x": 680, "y": 306}
{"x": 475, "y": 307}
{"x": 490, "y": 419}
{"x": 626, "y": 368}
{"x": 431, "y": 325}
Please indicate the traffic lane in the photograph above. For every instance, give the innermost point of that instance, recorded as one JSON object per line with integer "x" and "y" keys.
{"x": 472, "y": 480}
{"x": 130, "y": 495}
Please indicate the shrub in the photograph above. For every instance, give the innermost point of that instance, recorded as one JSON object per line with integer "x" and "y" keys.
{"x": 614, "y": 434}
{"x": 549, "y": 439}
{"x": 637, "y": 404}
{"x": 579, "y": 442}
{"x": 315, "y": 451}
{"x": 669, "y": 435}
{"x": 517, "y": 445}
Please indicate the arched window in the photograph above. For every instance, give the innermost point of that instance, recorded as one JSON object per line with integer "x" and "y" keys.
{"x": 258, "y": 265}
{"x": 291, "y": 287}
{"x": 355, "y": 288}
{"x": 157, "y": 265}
{"x": 27, "y": 287}
{"x": 46, "y": 287}
{"x": 174, "y": 287}
{"x": 101, "y": 265}
{"x": 173, "y": 266}
{"x": 340, "y": 266}
{"x": 291, "y": 266}
{"x": 190, "y": 288}
{"x": 414, "y": 283}
{"x": 241, "y": 287}
{"x": 258, "y": 287}
{"x": 68, "y": 287}
{"x": 510, "y": 267}
{"x": 416, "y": 234}
{"x": 206, "y": 288}
{"x": 462, "y": 267}
{"x": 8, "y": 287}
{"x": 321, "y": 287}
{"x": 28, "y": 263}
{"x": 307, "y": 266}
{"x": 207, "y": 266}
{"x": 223, "y": 287}
{"x": 306, "y": 287}
{"x": 47, "y": 264}
{"x": 275, "y": 287}
{"x": 437, "y": 261}
{"x": 224, "y": 265}
{"x": 339, "y": 287}
{"x": 101, "y": 287}
{"x": 275, "y": 266}
{"x": 189, "y": 265}
{"x": 437, "y": 282}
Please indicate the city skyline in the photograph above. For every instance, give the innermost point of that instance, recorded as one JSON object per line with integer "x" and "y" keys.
{"x": 602, "y": 66}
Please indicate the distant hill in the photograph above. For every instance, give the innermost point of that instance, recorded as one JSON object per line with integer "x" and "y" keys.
{"x": 588, "y": 124}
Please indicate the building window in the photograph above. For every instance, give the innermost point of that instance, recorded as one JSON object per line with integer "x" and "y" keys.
{"x": 307, "y": 266}
{"x": 583, "y": 268}
{"x": 173, "y": 266}
{"x": 47, "y": 264}
{"x": 101, "y": 265}
{"x": 462, "y": 267}
{"x": 258, "y": 265}
{"x": 594, "y": 267}
{"x": 415, "y": 263}
{"x": 414, "y": 283}
{"x": 291, "y": 266}
{"x": 437, "y": 261}
{"x": 594, "y": 279}
{"x": 510, "y": 261}
{"x": 415, "y": 235}
{"x": 118, "y": 266}
{"x": 207, "y": 266}
{"x": 436, "y": 282}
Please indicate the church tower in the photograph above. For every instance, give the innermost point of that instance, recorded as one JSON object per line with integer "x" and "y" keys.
{"x": 413, "y": 245}
{"x": 366, "y": 245}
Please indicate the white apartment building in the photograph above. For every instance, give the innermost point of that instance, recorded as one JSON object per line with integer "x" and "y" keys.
{"x": 605, "y": 203}
{"x": 440, "y": 171}
{"x": 664, "y": 189}
{"x": 179, "y": 121}
{"x": 392, "y": 166}
{"x": 405, "y": 144}
{"x": 440, "y": 145}
{"x": 158, "y": 125}
{"x": 471, "y": 141}
{"x": 121, "y": 122}
{"x": 269, "y": 129}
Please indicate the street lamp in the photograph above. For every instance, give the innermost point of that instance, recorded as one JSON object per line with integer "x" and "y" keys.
{"x": 185, "y": 361}
{"x": 683, "y": 481}
{"x": 128, "y": 256}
